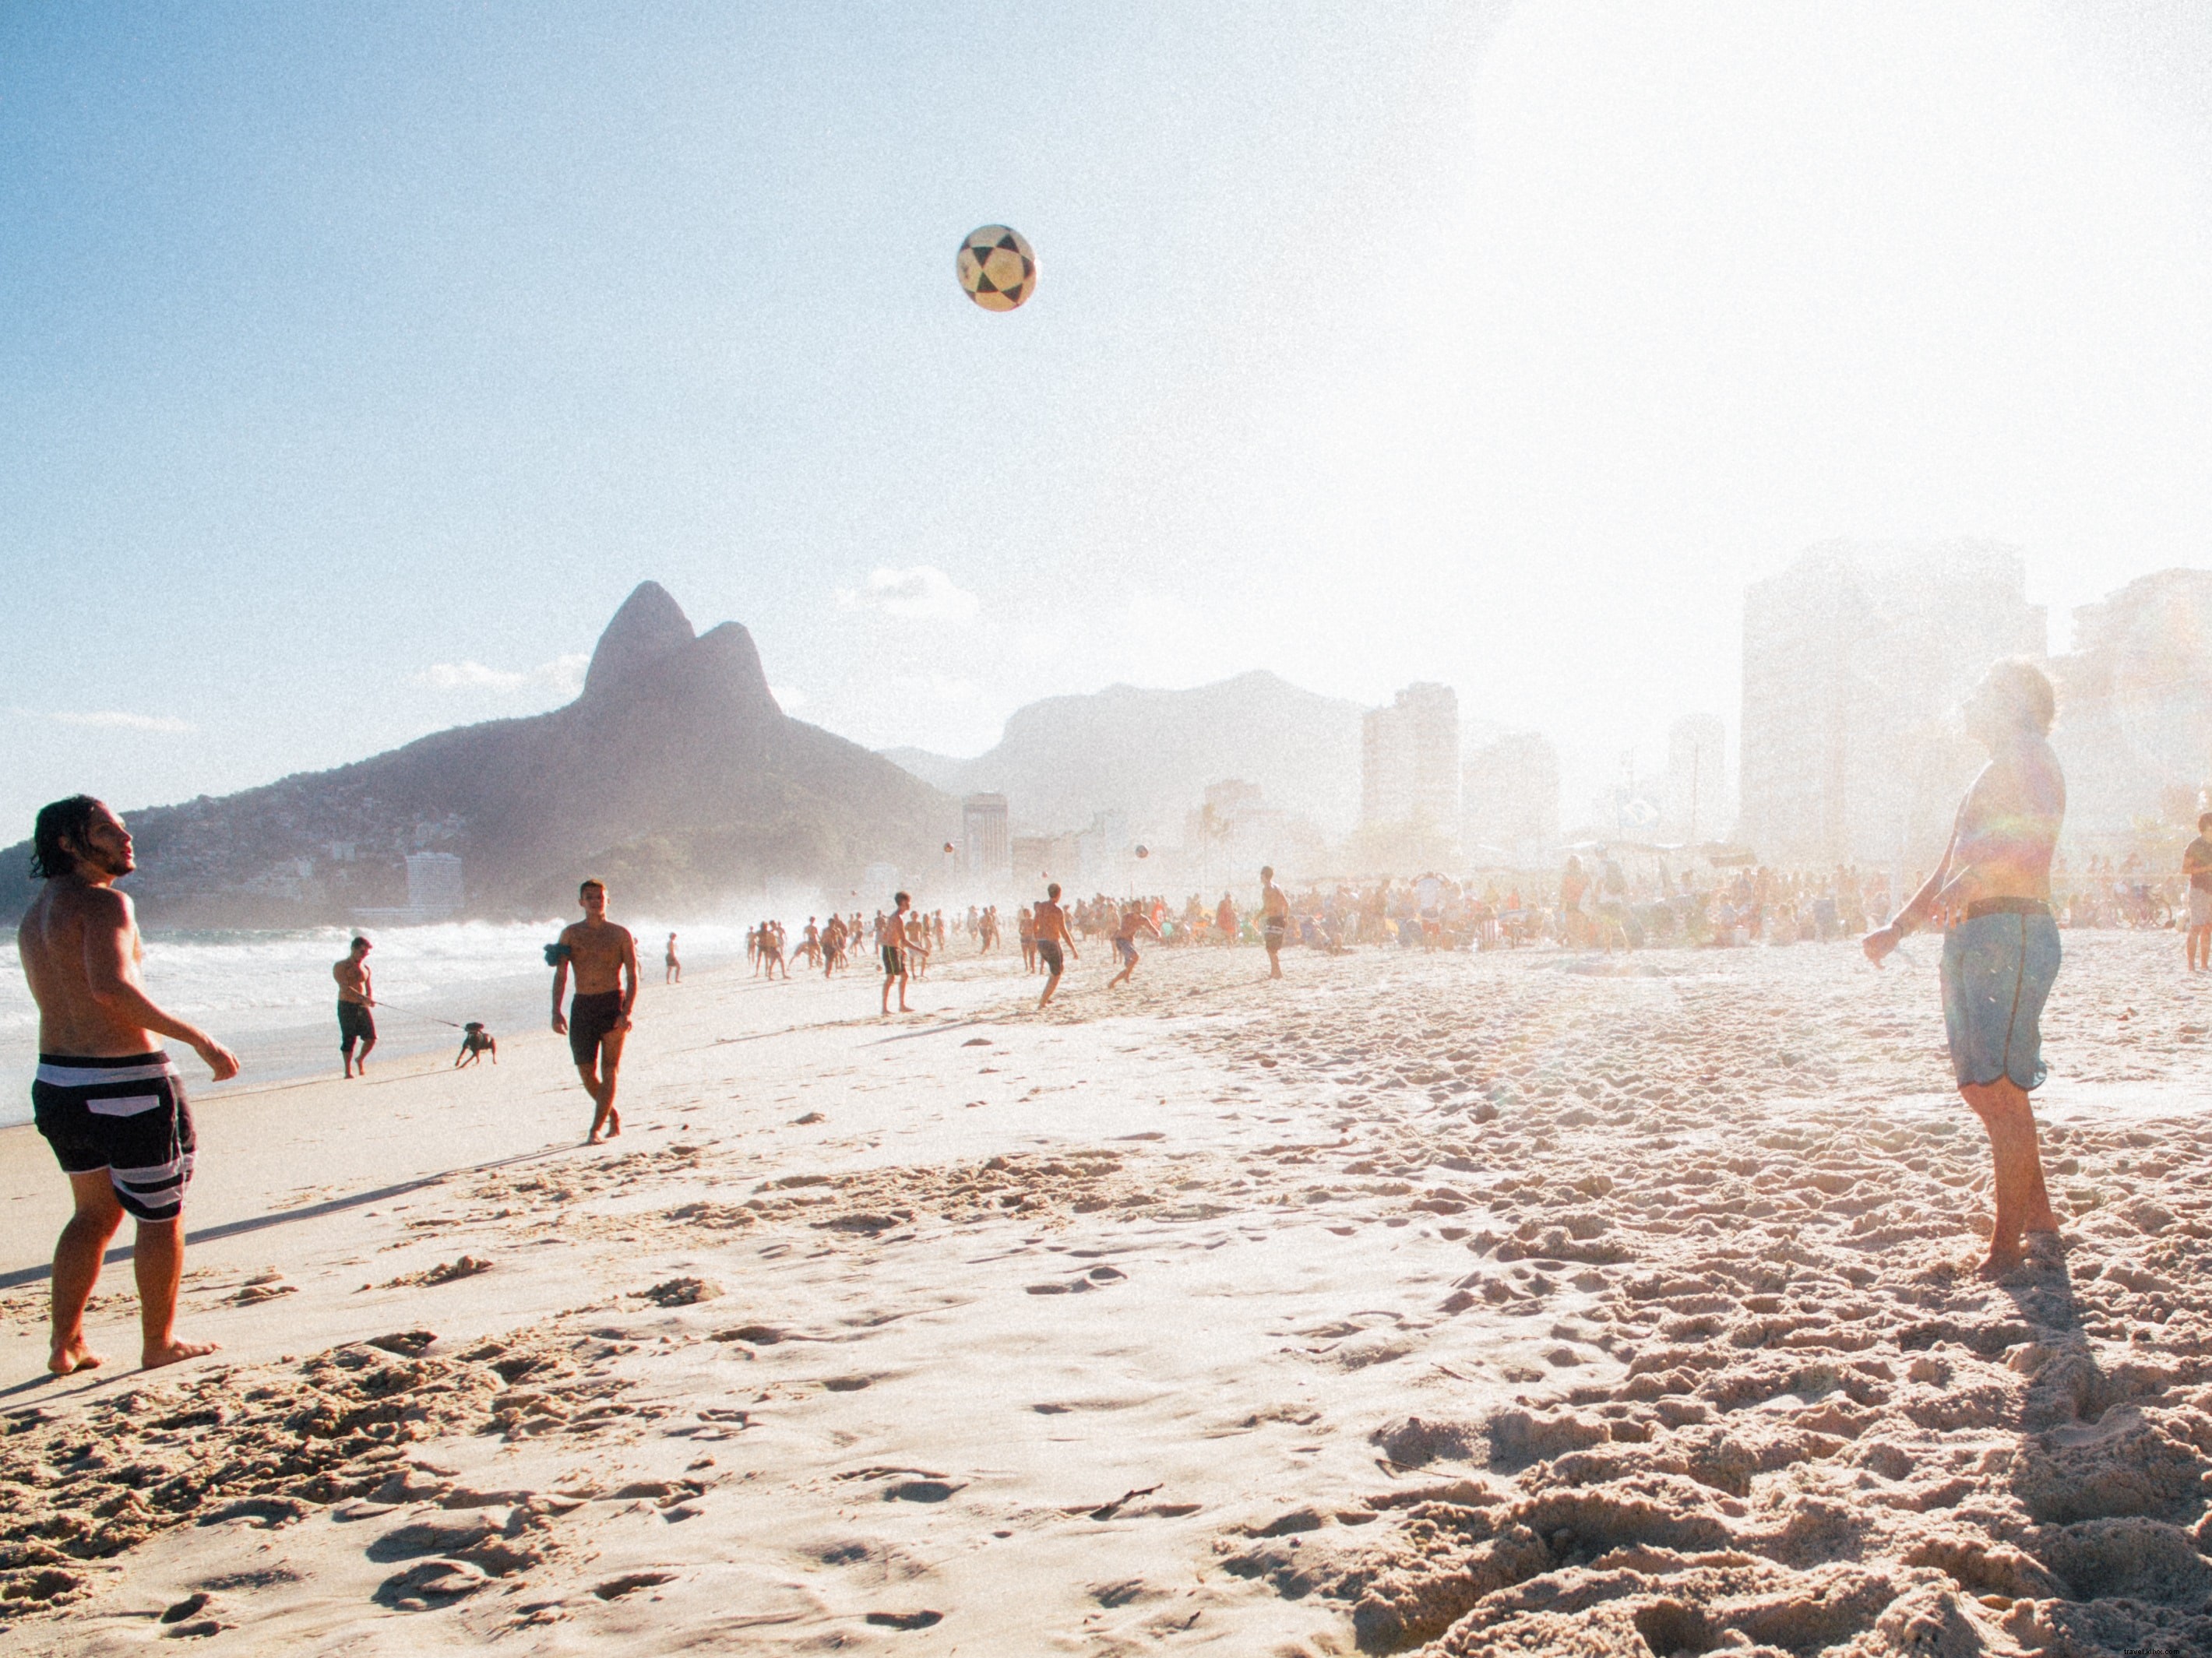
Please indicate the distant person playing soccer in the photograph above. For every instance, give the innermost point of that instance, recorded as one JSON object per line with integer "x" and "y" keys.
{"x": 598, "y": 1022}
{"x": 2197, "y": 864}
{"x": 1134, "y": 920}
{"x": 1274, "y": 920}
{"x": 106, "y": 1097}
{"x": 356, "y": 1003}
{"x": 674, "y": 970}
{"x": 2001, "y": 952}
{"x": 891, "y": 939}
{"x": 1052, "y": 938}
{"x": 1026, "y": 924}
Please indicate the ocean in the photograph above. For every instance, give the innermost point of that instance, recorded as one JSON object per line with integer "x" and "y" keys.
{"x": 269, "y": 996}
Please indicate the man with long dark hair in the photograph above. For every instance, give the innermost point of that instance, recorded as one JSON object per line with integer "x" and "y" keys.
{"x": 106, "y": 1098}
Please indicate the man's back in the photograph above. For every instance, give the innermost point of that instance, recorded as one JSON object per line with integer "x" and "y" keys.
{"x": 61, "y": 928}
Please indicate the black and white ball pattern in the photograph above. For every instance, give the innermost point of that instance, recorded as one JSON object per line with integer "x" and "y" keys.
{"x": 997, "y": 267}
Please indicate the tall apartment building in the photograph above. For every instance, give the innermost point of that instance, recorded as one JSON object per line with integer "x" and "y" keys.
{"x": 2135, "y": 708}
{"x": 987, "y": 853}
{"x": 1409, "y": 763}
{"x": 1855, "y": 661}
{"x": 1512, "y": 795}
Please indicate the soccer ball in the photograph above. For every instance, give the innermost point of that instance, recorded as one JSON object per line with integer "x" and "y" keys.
{"x": 997, "y": 267}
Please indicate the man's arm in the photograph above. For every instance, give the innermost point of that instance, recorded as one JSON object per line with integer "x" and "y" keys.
{"x": 560, "y": 984}
{"x": 107, "y": 973}
{"x": 628, "y": 967}
{"x": 368, "y": 987}
{"x": 1883, "y": 939}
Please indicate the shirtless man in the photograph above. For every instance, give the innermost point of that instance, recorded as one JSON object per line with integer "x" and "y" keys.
{"x": 1274, "y": 920}
{"x": 892, "y": 940}
{"x": 673, "y": 973}
{"x": 107, "y": 1097}
{"x": 1134, "y": 920}
{"x": 2197, "y": 864}
{"x": 604, "y": 957}
{"x": 2001, "y": 951}
{"x": 1225, "y": 919}
{"x": 356, "y": 998}
{"x": 1025, "y": 924}
{"x": 1051, "y": 936}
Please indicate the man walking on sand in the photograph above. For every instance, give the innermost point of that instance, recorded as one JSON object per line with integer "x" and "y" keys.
{"x": 2001, "y": 951}
{"x": 1052, "y": 938}
{"x": 107, "y": 1097}
{"x": 1275, "y": 920}
{"x": 357, "y": 1000}
{"x": 604, "y": 957}
{"x": 892, "y": 941}
{"x": 673, "y": 968}
{"x": 2197, "y": 864}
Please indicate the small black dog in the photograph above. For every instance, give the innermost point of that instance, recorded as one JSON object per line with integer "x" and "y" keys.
{"x": 476, "y": 1042}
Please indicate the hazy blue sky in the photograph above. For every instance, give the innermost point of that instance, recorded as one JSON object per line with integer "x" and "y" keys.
{"x": 355, "y": 362}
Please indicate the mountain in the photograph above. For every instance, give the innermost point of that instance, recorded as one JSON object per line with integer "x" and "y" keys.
{"x": 674, "y": 776}
{"x": 1151, "y": 755}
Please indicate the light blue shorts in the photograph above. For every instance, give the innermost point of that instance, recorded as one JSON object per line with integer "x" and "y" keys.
{"x": 1997, "y": 973}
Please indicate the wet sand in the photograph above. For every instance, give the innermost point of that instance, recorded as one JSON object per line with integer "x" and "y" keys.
{"x": 1519, "y": 1304}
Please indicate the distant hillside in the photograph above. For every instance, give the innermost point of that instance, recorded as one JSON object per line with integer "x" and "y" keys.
{"x": 674, "y": 775}
{"x": 1151, "y": 754}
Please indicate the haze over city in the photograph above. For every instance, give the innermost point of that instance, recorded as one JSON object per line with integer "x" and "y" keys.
{"x": 353, "y": 368}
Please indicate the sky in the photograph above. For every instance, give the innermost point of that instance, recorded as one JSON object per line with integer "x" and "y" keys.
{"x": 356, "y": 362}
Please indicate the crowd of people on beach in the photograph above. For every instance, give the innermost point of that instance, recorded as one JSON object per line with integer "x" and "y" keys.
{"x": 110, "y": 1102}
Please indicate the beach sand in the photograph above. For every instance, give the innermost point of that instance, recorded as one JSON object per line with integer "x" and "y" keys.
{"x": 1513, "y": 1303}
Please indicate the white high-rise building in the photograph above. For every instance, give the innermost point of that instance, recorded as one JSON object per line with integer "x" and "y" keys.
{"x": 987, "y": 850}
{"x": 1409, "y": 760}
{"x": 1512, "y": 795}
{"x": 1855, "y": 661}
{"x": 433, "y": 885}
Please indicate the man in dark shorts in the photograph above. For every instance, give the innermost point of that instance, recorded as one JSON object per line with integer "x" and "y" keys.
{"x": 2197, "y": 864}
{"x": 2001, "y": 951}
{"x": 1052, "y": 938}
{"x": 357, "y": 1000}
{"x": 894, "y": 948}
{"x": 604, "y": 957}
{"x": 1134, "y": 920}
{"x": 107, "y": 1098}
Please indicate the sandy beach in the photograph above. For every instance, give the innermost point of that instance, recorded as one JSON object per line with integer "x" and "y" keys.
{"x": 1521, "y": 1303}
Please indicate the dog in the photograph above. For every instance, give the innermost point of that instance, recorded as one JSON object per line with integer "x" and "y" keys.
{"x": 476, "y": 1042}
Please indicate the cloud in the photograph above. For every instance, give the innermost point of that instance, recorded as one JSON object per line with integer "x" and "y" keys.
{"x": 116, "y": 719}
{"x": 936, "y": 687}
{"x": 924, "y": 593}
{"x": 564, "y": 674}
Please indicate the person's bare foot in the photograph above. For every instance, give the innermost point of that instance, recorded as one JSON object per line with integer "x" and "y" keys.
{"x": 613, "y": 1122}
{"x": 173, "y": 1352}
{"x": 73, "y": 1356}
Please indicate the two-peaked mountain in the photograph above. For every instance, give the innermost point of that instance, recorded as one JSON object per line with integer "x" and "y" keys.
{"x": 674, "y": 775}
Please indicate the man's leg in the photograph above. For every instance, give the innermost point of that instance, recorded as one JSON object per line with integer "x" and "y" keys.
{"x": 361, "y": 1057}
{"x": 903, "y": 1008}
{"x": 2022, "y": 1203}
{"x": 611, "y": 1053}
{"x": 1274, "y": 960}
{"x": 589, "y": 1075}
{"x": 158, "y": 1261}
{"x": 76, "y": 1267}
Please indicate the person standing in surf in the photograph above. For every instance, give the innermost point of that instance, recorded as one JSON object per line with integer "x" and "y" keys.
{"x": 2001, "y": 950}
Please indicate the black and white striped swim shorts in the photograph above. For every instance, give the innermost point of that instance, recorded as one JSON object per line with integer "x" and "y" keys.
{"x": 125, "y": 1115}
